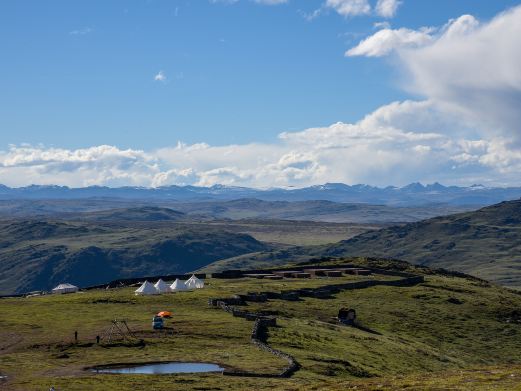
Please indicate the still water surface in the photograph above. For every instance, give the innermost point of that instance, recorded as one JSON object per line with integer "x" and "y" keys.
{"x": 163, "y": 368}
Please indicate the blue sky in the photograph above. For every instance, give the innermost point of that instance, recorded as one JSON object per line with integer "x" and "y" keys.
{"x": 141, "y": 76}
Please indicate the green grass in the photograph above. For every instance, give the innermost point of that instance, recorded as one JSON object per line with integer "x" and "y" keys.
{"x": 425, "y": 341}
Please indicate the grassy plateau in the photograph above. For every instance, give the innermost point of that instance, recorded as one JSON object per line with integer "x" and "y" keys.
{"x": 447, "y": 333}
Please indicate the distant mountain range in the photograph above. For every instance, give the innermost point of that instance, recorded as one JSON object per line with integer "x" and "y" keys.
{"x": 414, "y": 194}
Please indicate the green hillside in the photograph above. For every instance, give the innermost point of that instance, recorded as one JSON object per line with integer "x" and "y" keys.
{"x": 447, "y": 333}
{"x": 37, "y": 255}
{"x": 485, "y": 243}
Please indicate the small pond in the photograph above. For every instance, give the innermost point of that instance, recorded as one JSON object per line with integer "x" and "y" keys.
{"x": 160, "y": 368}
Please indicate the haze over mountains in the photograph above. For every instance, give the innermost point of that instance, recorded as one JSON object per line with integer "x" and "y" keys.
{"x": 410, "y": 195}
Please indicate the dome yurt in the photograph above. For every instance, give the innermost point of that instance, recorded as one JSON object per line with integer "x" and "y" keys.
{"x": 146, "y": 289}
{"x": 178, "y": 286}
{"x": 194, "y": 282}
{"x": 65, "y": 288}
{"x": 161, "y": 286}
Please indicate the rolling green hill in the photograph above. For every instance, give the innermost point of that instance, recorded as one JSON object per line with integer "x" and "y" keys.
{"x": 448, "y": 333}
{"x": 485, "y": 243}
{"x": 37, "y": 255}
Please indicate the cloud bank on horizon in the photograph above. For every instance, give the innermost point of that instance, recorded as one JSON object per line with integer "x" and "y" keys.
{"x": 465, "y": 129}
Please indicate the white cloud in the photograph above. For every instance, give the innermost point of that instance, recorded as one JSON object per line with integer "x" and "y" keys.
{"x": 382, "y": 25}
{"x": 160, "y": 76}
{"x": 399, "y": 143}
{"x": 473, "y": 71}
{"x": 387, "y": 8}
{"x": 458, "y": 27}
{"x": 386, "y": 40}
{"x": 349, "y": 7}
{"x": 81, "y": 167}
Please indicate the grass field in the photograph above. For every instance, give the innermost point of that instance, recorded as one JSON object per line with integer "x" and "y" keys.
{"x": 296, "y": 233}
{"x": 448, "y": 333}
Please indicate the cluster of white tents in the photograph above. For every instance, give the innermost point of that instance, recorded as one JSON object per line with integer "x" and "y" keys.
{"x": 178, "y": 285}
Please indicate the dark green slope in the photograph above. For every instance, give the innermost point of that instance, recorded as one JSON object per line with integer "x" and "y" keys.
{"x": 485, "y": 243}
{"x": 36, "y": 255}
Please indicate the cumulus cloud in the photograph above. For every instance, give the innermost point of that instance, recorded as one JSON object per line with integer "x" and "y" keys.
{"x": 387, "y": 8}
{"x": 475, "y": 71}
{"x": 386, "y": 40}
{"x": 349, "y": 7}
{"x": 81, "y": 167}
{"x": 160, "y": 76}
{"x": 405, "y": 141}
{"x": 465, "y": 69}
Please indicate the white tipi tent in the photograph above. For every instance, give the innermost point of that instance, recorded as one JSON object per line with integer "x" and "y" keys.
{"x": 146, "y": 289}
{"x": 65, "y": 288}
{"x": 178, "y": 285}
{"x": 194, "y": 282}
{"x": 161, "y": 286}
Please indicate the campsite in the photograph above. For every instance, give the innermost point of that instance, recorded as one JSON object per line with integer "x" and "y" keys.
{"x": 407, "y": 334}
{"x": 250, "y": 195}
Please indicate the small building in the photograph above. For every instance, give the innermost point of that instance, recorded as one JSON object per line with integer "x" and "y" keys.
{"x": 65, "y": 288}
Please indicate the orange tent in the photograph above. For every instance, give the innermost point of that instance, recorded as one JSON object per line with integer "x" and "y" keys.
{"x": 165, "y": 314}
